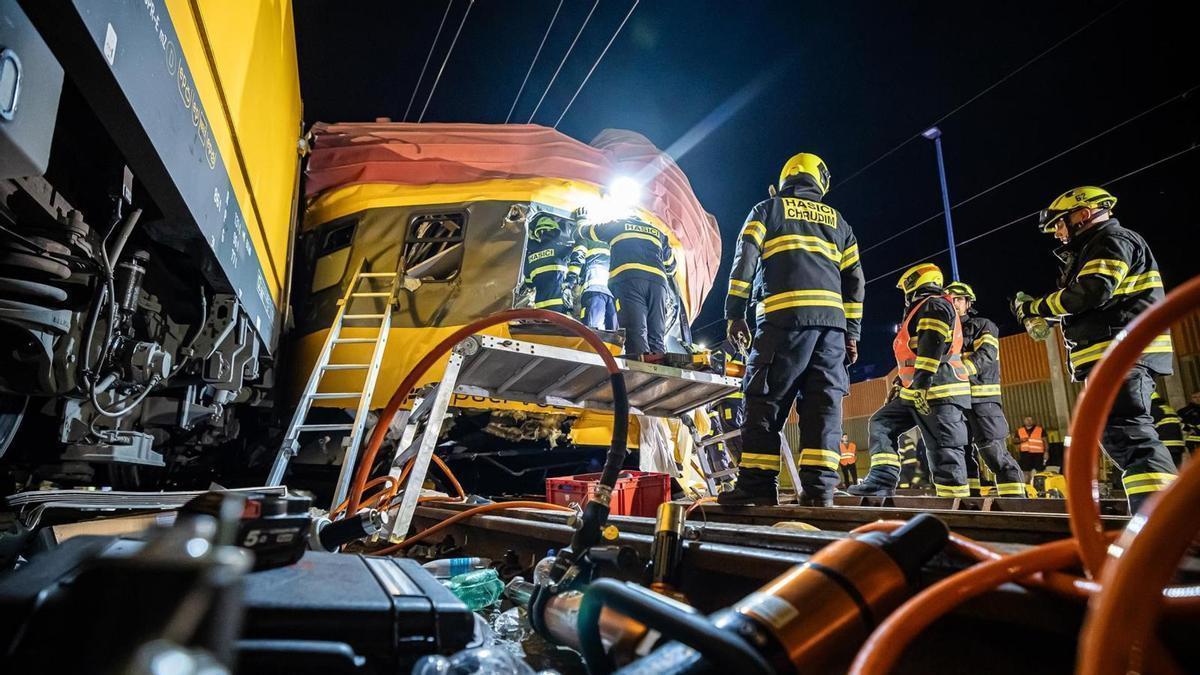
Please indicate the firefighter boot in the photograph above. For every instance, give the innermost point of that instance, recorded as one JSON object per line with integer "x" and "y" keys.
{"x": 809, "y": 500}
{"x": 755, "y": 487}
{"x": 867, "y": 488}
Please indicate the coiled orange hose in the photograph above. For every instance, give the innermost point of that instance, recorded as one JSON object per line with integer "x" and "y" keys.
{"x": 1122, "y": 617}
{"x": 886, "y": 644}
{"x": 1113, "y": 607}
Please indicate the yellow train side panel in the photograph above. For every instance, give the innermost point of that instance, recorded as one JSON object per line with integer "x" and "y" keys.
{"x": 243, "y": 58}
{"x": 559, "y": 193}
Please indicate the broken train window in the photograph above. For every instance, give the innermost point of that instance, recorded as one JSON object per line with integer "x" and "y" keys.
{"x": 433, "y": 246}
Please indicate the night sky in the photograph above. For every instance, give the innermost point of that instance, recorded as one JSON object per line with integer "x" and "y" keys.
{"x": 849, "y": 81}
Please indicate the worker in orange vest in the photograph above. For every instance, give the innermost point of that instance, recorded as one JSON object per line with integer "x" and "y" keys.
{"x": 1031, "y": 442}
{"x": 849, "y": 460}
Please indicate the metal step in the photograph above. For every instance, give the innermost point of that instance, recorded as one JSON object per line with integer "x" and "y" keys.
{"x": 354, "y": 341}
{"x": 375, "y": 275}
{"x": 348, "y": 394}
{"x": 371, "y": 295}
{"x": 346, "y": 366}
{"x": 325, "y": 427}
{"x": 364, "y": 316}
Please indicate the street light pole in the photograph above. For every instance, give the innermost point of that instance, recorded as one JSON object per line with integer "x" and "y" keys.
{"x": 935, "y": 134}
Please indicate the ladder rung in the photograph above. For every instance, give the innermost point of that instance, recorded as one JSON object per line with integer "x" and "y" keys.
{"x": 355, "y": 341}
{"x": 375, "y": 275}
{"x": 371, "y": 295}
{"x": 347, "y": 366}
{"x": 363, "y": 316}
{"x": 325, "y": 427}
{"x": 348, "y": 394}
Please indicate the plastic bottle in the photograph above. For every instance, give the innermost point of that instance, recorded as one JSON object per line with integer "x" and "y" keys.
{"x": 452, "y": 567}
{"x": 476, "y": 661}
{"x": 477, "y": 588}
{"x": 541, "y": 571}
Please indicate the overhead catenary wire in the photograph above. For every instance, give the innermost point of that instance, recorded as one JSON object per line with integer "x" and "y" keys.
{"x": 436, "y": 36}
{"x": 979, "y": 95}
{"x": 563, "y": 62}
{"x": 1181, "y": 95}
{"x": 597, "y": 63}
{"x": 1014, "y": 221}
{"x": 442, "y": 68}
{"x": 532, "y": 63}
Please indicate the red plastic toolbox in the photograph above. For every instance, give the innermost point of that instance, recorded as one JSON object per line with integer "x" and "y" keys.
{"x": 637, "y": 493}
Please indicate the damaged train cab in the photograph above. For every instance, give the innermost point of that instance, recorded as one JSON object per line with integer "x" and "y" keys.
{"x": 448, "y": 208}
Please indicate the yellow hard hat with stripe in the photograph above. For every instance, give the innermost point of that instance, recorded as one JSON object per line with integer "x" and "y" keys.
{"x": 924, "y": 274}
{"x": 1087, "y": 196}
{"x": 807, "y": 164}
{"x": 959, "y": 289}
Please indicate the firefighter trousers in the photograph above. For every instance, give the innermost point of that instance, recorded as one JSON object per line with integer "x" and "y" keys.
{"x": 642, "y": 312}
{"x": 597, "y": 310}
{"x": 808, "y": 366}
{"x": 1131, "y": 441}
{"x": 731, "y": 414}
{"x": 989, "y": 433}
{"x": 849, "y": 474}
{"x": 944, "y": 430}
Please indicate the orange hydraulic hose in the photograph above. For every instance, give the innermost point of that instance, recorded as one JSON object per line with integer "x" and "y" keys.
{"x": 1122, "y": 617}
{"x": 1092, "y": 410}
{"x": 698, "y": 503}
{"x": 1065, "y": 584}
{"x": 887, "y": 643}
{"x": 462, "y": 515}
{"x": 410, "y": 380}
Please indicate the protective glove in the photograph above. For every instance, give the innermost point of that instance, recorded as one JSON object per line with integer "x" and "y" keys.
{"x": 918, "y": 399}
{"x": 737, "y": 331}
{"x": 1020, "y": 305}
{"x": 851, "y": 351}
{"x": 580, "y": 216}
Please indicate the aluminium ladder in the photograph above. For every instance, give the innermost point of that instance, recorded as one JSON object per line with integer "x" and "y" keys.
{"x": 361, "y": 303}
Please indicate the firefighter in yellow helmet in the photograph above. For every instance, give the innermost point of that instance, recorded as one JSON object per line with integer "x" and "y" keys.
{"x": 932, "y": 391}
{"x": 811, "y": 296}
{"x": 985, "y": 419}
{"x": 1109, "y": 276}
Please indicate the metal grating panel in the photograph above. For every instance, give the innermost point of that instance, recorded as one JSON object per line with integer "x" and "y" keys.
{"x": 534, "y": 373}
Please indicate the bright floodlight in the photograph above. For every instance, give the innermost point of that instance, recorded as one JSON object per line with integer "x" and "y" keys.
{"x": 932, "y": 133}
{"x": 624, "y": 191}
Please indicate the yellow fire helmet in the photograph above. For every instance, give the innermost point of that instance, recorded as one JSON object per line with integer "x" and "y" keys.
{"x": 807, "y": 164}
{"x": 924, "y": 274}
{"x": 544, "y": 225}
{"x": 1087, "y": 196}
{"x": 960, "y": 290}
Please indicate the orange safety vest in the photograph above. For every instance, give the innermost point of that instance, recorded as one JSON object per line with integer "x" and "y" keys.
{"x": 906, "y": 358}
{"x": 849, "y": 452}
{"x": 1031, "y": 442}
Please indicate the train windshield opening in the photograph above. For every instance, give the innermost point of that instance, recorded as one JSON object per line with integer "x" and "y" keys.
{"x": 433, "y": 246}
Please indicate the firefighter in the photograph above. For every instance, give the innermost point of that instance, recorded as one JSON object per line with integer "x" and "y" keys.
{"x": 1190, "y": 414}
{"x": 642, "y": 263}
{"x": 932, "y": 391}
{"x": 1169, "y": 425}
{"x": 549, "y": 268}
{"x": 849, "y": 459}
{"x": 985, "y": 419}
{"x": 597, "y": 309}
{"x": 1031, "y": 445}
{"x": 812, "y": 293}
{"x": 1109, "y": 276}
